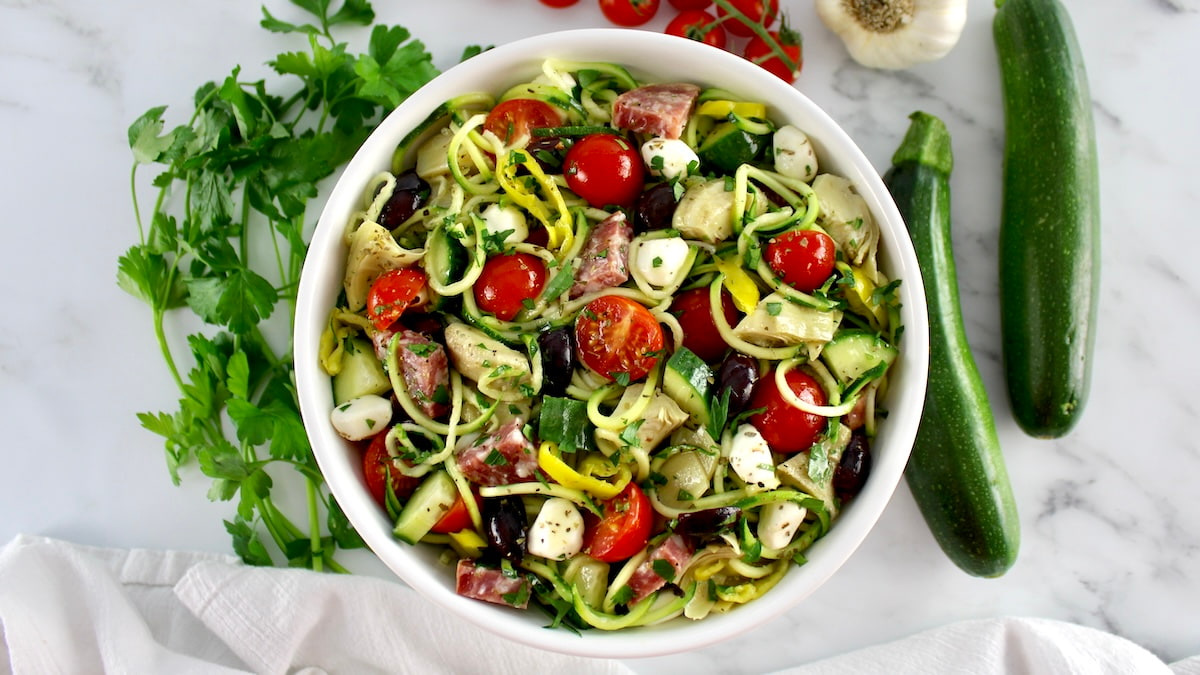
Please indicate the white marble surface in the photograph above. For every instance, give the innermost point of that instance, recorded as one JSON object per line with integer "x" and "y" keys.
{"x": 1110, "y": 514}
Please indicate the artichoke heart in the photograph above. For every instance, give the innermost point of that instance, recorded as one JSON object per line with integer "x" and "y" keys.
{"x": 779, "y": 322}
{"x": 373, "y": 251}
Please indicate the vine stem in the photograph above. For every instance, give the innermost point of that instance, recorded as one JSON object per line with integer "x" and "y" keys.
{"x": 759, "y": 29}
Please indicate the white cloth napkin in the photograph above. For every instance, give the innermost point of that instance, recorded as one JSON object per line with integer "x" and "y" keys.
{"x": 66, "y": 608}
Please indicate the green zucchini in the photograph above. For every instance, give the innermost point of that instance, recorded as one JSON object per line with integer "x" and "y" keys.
{"x": 1050, "y": 217}
{"x": 956, "y": 471}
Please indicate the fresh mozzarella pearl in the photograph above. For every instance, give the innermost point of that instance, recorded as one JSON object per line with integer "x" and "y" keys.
{"x": 750, "y": 458}
{"x": 557, "y": 532}
{"x": 508, "y": 219}
{"x": 670, "y": 158}
{"x": 794, "y": 154}
{"x": 361, "y": 417}
{"x": 778, "y": 522}
{"x": 658, "y": 261}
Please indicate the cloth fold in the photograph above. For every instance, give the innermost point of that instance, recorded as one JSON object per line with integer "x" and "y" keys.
{"x": 66, "y": 608}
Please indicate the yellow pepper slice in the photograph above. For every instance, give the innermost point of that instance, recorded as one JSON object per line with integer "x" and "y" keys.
{"x": 558, "y": 227}
{"x": 741, "y": 286}
{"x": 564, "y": 475}
{"x": 723, "y": 108}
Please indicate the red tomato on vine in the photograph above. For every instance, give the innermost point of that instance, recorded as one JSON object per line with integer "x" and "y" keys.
{"x": 697, "y": 24}
{"x": 629, "y": 12}
{"x": 759, "y": 51}
{"x": 757, "y": 11}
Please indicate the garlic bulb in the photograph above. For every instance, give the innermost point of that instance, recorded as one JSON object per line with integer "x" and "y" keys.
{"x": 895, "y": 33}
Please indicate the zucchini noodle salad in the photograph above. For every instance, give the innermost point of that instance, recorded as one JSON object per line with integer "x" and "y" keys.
{"x": 620, "y": 349}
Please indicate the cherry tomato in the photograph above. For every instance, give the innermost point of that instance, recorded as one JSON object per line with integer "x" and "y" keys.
{"x": 514, "y": 120}
{"x": 559, "y": 3}
{"x": 804, "y": 259}
{"x": 508, "y": 283}
{"x": 760, "y": 52}
{"x": 376, "y": 471}
{"x": 605, "y": 170}
{"x": 629, "y": 12}
{"x": 624, "y": 528}
{"x": 788, "y": 429}
{"x": 458, "y": 518}
{"x": 696, "y": 24}
{"x": 695, "y": 318}
{"x": 690, "y": 4}
{"x": 757, "y": 11}
{"x": 392, "y": 293}
{"x": 617, "y": 335}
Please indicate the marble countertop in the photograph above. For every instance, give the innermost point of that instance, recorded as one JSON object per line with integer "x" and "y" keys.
{"x": 1110, "y": 514}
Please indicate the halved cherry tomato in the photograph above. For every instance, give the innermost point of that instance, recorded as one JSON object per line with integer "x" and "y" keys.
{"x": 788, "y": 429}
{"x": 697, "y": 24}
{"x": 376, "y": 472}
{"x": 804, "y": 259}
{"x": 508, "y": 283}
{"x": 624, "y": 528}
{"x": 604, "y": 169}
{"x": 757, "y": 11}
{"x": 392, "y": 293}
{"x": 458, "y": 518}
{"x": 514, "y": 120}
{"x": 559, "y": 3}
{"x": 695, "y": 318}
{"x": 617, "y": 335}
{"x": 760, "y": 52}
{"x": 629, "y": 12}
{"x": 690, "y": 4}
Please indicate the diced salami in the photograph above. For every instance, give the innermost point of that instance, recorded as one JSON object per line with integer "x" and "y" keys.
{"x": 500, "y": 458}
{"x": 490, "y": 585}
{"x": 424, "y": 367}
{"x": 604, "y": 260}
{"x": 656, "y": 109}
{"x": 646, "y": 578}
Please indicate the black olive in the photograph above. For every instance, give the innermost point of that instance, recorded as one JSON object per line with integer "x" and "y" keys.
{"x": 654, "y": 208}
{"x": 557, "y": 351}
{"x": 708, "y": 521}
{"x": 738, "y": 374}
{"x": 504, "y": 526}
{"x": 547, "y": 151}
{"x": 411, "y": 193}
{"x": 852, "y": 471}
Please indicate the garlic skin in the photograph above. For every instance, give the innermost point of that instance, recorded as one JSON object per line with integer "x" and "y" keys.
{"x": 895, "y": 34}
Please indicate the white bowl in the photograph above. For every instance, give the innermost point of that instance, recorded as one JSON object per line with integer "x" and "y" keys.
{"x": 656, "y": 58}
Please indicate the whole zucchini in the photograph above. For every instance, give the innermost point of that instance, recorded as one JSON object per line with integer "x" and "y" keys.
{"x": 956, "y": 471}
{"x": 1050, "y": 217}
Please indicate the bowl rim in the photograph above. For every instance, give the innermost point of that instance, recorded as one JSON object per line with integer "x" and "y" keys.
{"x": 322, "y": 268}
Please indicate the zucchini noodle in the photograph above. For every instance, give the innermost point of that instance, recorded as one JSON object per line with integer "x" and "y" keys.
{"x": 503, "y": 396}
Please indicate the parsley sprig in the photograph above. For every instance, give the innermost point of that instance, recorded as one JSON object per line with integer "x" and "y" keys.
{"x": 225, "y": 239}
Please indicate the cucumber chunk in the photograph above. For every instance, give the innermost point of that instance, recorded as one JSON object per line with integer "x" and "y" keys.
{"x": 431, "y": 500}
{"x": 852, "y": 353}
{"x": 729, "y": 147}
{"x": 688, "y": 380}
{"x": 361, "y": 374}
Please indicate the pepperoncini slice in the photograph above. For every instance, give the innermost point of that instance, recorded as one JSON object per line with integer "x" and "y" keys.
{"x": 564, "y": 475}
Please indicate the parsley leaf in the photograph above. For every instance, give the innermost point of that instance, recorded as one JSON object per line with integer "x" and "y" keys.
{"x": 226, "y": 239}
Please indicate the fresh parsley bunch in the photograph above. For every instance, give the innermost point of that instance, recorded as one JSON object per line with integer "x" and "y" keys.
{"x": 226, "y": 239}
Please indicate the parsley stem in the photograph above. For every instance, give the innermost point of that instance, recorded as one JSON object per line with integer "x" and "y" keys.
{"x": 165, "y": 348}
{"x": 137, "y": 212}
{"x": 314, "y": 526}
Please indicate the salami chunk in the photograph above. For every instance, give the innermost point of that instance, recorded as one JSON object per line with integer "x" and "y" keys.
{"x": 503, "y": 457}
{"x": 647, "y": 578}
{"x": 656, "y": 109}
{"x": 490, "y": 585}
{"x": 425, "y": 369}
{"x": 604, "y": 260}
